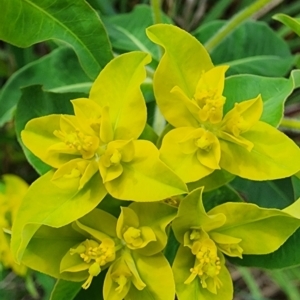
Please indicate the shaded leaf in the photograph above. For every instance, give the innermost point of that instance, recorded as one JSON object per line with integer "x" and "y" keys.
{"x": 64, "y": 74}
{"x": 267, "y": 54}
{"x": 274, "y": 92}
{"x": 73, "y": 22}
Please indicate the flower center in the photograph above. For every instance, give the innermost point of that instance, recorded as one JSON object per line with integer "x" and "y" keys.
{"x": 204, "y": 143}
{"x": 237, "y": 125}
{"x": 210, "y": 104}
{"x": 76, "y": 140}
{"x": 132, "y": 236}
{"x": 96, "y": 254}
{"x": 207, "y": 264}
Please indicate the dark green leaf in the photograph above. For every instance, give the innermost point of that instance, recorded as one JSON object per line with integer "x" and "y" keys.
{"x": 73, "y": 22}
{"x": 286, "y": 256}
{"x": 221, "y": 195}
{"x": 270, "y": 194}
{"x": 65, "y": 290}
{"x": 128, "y": 31}
{"x": 59, "y": 70}
{"x": 274, "y": 92}
{"x": 252, "y": 48}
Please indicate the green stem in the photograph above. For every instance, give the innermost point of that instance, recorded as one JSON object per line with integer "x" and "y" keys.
{"x": 156, "y": 11}
{"x": 159, "y": 120}
{"x": 234, "y": 22}
{"x": 292, "y": 124}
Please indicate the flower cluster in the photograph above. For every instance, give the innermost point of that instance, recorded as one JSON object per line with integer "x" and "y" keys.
{"x": 76, "y": 221}
{"x": 14, "y": 189}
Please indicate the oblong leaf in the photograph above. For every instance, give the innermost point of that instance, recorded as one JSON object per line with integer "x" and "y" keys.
{"x": 65, "y": 290}
{"x": 70, "y": 21}
{"x": 48, "y": 246}
{"x": 274, "y": 92}
{"x": 267, "y": 54}
{"x": 34, "y": 73}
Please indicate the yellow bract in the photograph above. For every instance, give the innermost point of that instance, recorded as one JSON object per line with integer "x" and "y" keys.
{"x": 189, "y": 92}
{"x": 14, "y": 190}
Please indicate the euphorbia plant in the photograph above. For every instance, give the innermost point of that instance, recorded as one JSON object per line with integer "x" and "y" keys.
{"x": 122, "y": 205}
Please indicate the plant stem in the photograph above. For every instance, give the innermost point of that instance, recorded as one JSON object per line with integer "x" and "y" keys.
{"x": 234, "y": 22}
{"x": 156, "y": 11}
{"x": 159, "y": 121}
{"x": 292, "y": 124}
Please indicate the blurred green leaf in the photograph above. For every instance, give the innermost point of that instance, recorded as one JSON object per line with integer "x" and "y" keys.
{"x": 274, "y": 92}
{"x": 269, "y": 194}
{"x": 292, "y": 23}
{"x": 296, "y": 186}
{"x": 65, "y": 290}
{"x": 73, "y": 22}
{"x": 213, "y": 181}
{"x": 45, "y": 103}
{"x": 128, "y": 31}
{"x": 253, "y": 48}
{"x": 59, "y": 70}
{"x": 221, "y": 195}
{"x": 95, "y": 289}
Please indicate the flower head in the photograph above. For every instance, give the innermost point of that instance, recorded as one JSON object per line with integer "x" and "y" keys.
{"x": 230, "y": 229}
{"x": 189, "y": 92}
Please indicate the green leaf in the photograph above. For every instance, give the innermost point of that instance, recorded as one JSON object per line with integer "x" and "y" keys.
{"x": 48, "y": 246}
{"x": 256, "y": 227}
{"x": 45, "y": 103}
{"x": 221, "y": 195}
{"x": 128, "y": 31}
{"x": 212, "y": 181}
{"x": 57, "y": 208}
{"x": 253, "y": 48}
{"x": 269, "y": 194}
{"x": 292, "y": 23}
{"x": 274, "y": 92}
{"x": 296, "y": 186}
{"x": 64, "y": 74}
{"x": 286, "y": 256}
{"x": 73, "y": 22}
{"x": 65, "y": 290}
{"x": 95, "y": 289}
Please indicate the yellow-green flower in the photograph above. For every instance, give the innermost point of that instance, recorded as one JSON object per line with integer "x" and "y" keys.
{"x": 100, "y": 139}
{"x": 94, "y": 152}
{"x": 14, "y": 190}
{"x": 130, "y": 247}
{"x": 189, "y": 91}
{"x": 230, "y": 229}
